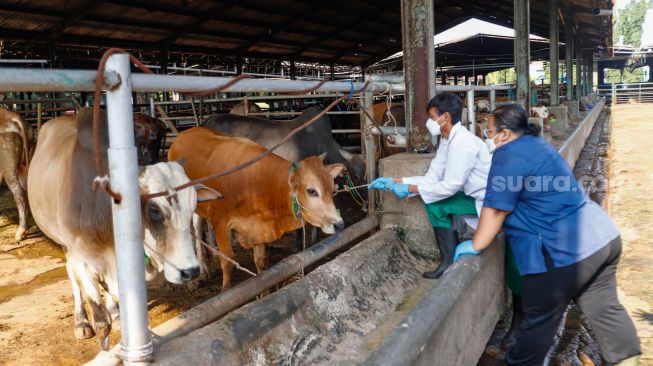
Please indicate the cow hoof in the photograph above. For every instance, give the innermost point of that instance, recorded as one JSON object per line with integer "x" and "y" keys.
{"x": 84, "y": 331}
{"x": 102, "y": 328}
{"x": 21, "y": 234}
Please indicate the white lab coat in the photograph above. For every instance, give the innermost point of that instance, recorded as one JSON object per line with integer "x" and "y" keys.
{"x": 462, "y": 163}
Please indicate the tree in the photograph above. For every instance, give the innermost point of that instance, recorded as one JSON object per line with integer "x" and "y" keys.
{"x": 630, "y": 21}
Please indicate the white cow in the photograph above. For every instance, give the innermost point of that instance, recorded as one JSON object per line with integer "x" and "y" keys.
{"x": 71, "y": 213}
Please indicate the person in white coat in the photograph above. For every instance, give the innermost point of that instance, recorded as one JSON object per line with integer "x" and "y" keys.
{"x": 456, "y": 179}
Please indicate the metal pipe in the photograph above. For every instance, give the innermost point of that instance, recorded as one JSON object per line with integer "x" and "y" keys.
{"x": 493, "y": 100}
{"x": 79, "y": 80}
{"x": 471, "y": 111}
{"x": 579, "y": 61}
{"x": 368, "y": 144}
{"x": 554, "y": 52}
{"x": 521, "y": 23}
{"x": 136, "y": 344}
{"x": 218, "y": 306}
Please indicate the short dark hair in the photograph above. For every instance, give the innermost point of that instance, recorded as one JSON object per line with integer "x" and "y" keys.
{"x": 514, "y": 118}
{"x": 447, "y": 102}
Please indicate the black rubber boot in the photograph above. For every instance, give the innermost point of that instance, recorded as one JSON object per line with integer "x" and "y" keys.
{"x": 446, "y": 239}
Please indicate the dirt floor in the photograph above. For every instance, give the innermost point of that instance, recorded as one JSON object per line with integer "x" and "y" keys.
{"x": 36, "y": 305}
{"x": 630, "y": 204}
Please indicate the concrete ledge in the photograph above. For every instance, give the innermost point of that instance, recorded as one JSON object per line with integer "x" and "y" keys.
{"x": 572, "y": 108}
{"x": 559, "y": 127}
{"x": 573, "y": 146}
{"x": 453, "y": 321}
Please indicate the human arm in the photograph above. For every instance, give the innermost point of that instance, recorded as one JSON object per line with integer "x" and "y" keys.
{"x": 459, "y": 165}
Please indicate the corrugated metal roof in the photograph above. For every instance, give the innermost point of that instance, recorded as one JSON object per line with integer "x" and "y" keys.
{"x": 336, "y": 31}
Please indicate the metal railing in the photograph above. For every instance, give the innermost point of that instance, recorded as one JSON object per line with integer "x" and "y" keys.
{"x": 627, "y": 93}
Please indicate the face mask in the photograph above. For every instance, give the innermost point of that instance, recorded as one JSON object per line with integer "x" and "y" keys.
{"x": 491, "y": 145}
{"x": 434, "y": 126}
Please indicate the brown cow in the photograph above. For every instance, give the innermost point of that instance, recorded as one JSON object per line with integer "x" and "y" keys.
{"x": 14, "y": 162}
{"x": 72, "y": 214}
{"x": 390, "y": 117}
{"x": 150, "y": 136}
{"x": 261, "y": 202}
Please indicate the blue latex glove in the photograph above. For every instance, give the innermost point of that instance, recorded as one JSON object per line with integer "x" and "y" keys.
{"x": 401, "y": 190}
{"x": 465, "y": 247}
{"x": 385, "y": 183}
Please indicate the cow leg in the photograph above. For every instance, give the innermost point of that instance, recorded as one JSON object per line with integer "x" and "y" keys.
{"x": 82, "y": 329}
{"x": 260, "y": 257}
{"x": 20, "y": 196}
{"x": 112, "y": 307}
{"x": 101, "y": 317}
{"x": 223, "y": 238}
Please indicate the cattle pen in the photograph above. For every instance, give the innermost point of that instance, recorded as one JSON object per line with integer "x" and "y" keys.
{"x": 353, "y": 297}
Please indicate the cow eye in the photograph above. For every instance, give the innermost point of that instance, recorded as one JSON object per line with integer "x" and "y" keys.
{"x": 311, "y": 192}
{"x": 155, "y": 214}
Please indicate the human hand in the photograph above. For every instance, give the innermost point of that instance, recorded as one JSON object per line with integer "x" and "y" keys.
{"x": 385, "y": 183}
{"x": 463, "y": 248}
{"x": 401, "y": 190}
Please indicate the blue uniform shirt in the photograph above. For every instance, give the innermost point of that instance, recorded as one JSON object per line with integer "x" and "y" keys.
{"x": 549, "y": 209}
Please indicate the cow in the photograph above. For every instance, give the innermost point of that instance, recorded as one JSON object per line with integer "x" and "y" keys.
{"x": 262, "y": 201}
{"x": 540, "y": 111}
{"x": 14, "y": 162}
{"x": 314, "y": 140}
{"x": 150, "y": 136}
{"x": 483, "y": 106}
{"x": 239, "y": 108}
{"x": 71, "y": 213}
{"x": 394, "y": 116}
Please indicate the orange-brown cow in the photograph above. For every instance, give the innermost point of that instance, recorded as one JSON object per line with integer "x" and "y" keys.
{"x": 261, "y": 202}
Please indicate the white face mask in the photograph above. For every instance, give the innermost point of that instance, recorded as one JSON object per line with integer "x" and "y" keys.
{"x": 434, "y": 126}
{"x": 491, "y": 145}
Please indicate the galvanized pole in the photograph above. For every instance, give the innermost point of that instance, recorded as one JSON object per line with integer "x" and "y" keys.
{"x": 521, "y": 23}
{"x": 569, "y": 53}
{"x": 493, "y": 100}
{"x": 579, "y": 61}
{"x": 471, "y": 111}
{"x": 419, "y": 65}
{"x": 136, "y": 344}
{"x": 369, "y": 143}
{"x": 554, "y": 52}
{"x": 590, "y": 74}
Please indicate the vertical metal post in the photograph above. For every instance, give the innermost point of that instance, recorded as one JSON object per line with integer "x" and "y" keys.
{"x": 579, "y": 62}
{"x": 136, "y": 344}
{"x": 245, "y": 106}
{"x": 521, "y": 23}
{"x": 493, "y": 100}
{"x": 293, "y": 70}
{"x": 590, "y": 81}
{"x": 332, "y": 71}
{"x": 614, "y": 94}
{"x": 639, "y": 94}
{"x": 419, "y": 68}
{"x": 152, "y": 109}
{"x": 554, "y": 52}
{"x": 471, "y": 111}
{"x": 39, "y": 115}
{"x": 369, "y": 144}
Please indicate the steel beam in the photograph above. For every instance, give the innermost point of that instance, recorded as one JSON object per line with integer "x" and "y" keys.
{"x": 579, "y": 61}
{"x": 419, "y": 68}
{"x": 522, "y": 51}
{"x": 554, "y": 52}
{"x": 569, "y": 54}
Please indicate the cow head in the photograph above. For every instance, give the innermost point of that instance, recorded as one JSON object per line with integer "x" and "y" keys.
{"x": 540, "y": 111}
{"x": 355, "y": 164}
{"x": 169, "y": 243}
{"x": 311, "y": 182}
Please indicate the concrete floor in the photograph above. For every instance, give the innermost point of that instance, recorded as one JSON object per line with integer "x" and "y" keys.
{"x": 630, "y": 204}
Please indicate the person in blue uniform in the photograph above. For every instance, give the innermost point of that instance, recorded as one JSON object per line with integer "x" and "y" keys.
{"x": 566, "y": 247}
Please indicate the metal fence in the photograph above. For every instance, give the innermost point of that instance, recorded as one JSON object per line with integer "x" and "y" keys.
{"x": 627, "y": 93}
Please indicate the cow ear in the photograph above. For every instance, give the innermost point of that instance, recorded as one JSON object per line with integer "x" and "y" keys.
{"x": 181, "y": 161}
{"x": 205, "y": 193}
{"x": 335, "y": 169}
{"x": 293, "y": 180}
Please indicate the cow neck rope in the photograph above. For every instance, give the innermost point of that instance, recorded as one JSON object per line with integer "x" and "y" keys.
{"x": 220, "y": 254}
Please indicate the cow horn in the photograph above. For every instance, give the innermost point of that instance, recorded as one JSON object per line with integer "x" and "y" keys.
{"x": 346, "y": 154}
{"x": 323, "y": 155}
